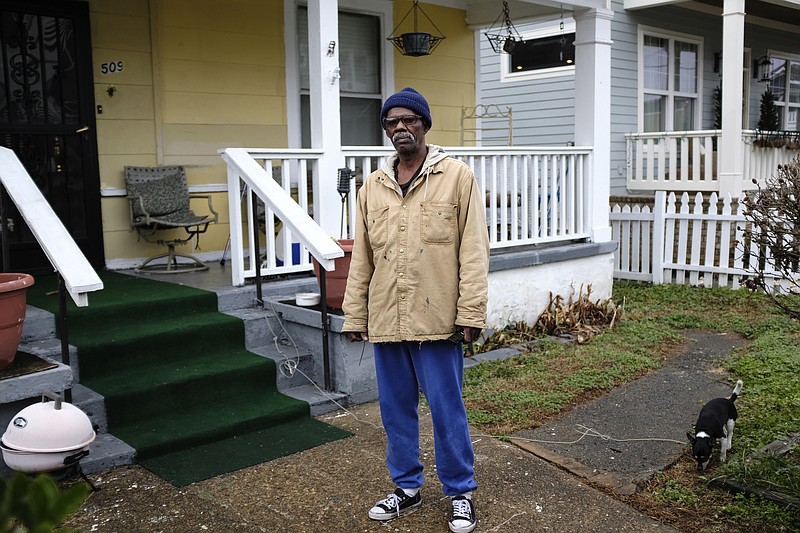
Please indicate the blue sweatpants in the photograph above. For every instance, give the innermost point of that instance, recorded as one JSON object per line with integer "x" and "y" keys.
{"x": 436, "y": 367}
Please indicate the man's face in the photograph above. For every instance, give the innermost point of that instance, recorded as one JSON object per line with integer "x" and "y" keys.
{"x": 405, "y": 129}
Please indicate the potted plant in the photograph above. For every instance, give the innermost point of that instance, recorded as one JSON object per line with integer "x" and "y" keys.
{"x": 12, "y": 313}
{"x": 336, "y": 280}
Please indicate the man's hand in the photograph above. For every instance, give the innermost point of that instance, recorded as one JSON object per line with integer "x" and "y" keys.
{"x": 355, "y": 336}
{"x": 471, "y": 334}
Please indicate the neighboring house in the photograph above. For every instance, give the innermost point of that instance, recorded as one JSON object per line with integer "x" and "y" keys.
{"x": 90, "y": 87}
{"x": 667, "y": 59}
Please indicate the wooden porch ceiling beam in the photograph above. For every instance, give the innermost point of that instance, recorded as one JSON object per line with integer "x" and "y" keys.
{"x": 643, "y": 4}
{"x": 570, "y": 4}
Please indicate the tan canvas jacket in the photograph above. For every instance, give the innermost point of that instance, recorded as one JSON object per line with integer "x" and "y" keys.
{"x": 420, "y": 262}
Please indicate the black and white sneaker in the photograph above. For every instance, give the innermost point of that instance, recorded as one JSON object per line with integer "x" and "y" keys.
{"x": 462, "y": 515}
{"x": 394, "y": 505}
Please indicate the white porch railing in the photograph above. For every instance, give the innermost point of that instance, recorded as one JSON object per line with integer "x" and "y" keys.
{"x": 687, "y": 161}
{"x": 533, "y": 195}
{"x": 686, "y": 240}
{"x": 61, "y": 250}
{"x": 247, "y": 178}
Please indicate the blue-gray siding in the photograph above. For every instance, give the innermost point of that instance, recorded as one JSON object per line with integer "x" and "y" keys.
{"x": 544, "y": 109}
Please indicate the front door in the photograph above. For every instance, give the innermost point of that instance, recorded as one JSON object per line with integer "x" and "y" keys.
{"x": 47, "y": 119}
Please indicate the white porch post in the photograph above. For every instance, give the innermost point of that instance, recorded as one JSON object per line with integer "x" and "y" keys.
{"x": 323, "y": 52}
{"x": 593, "y": 112}
{"x": 731, "y": 166}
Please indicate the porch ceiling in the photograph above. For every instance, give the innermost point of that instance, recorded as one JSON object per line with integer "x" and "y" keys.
{"x": 787, "y": 11}
{"x": 485, "y": 12}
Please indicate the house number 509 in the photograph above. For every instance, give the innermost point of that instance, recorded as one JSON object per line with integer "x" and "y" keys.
{"x": 111, "y": 67}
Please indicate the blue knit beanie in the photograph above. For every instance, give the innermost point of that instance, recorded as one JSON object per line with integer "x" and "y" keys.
{"x": 410, "y": 99}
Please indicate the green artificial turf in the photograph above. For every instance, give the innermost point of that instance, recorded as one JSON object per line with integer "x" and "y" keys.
{"x": 178, "y": 384}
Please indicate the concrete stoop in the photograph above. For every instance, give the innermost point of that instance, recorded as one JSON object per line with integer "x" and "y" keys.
{"x": 38, "y": 338}
{"x": 296, "y": 350}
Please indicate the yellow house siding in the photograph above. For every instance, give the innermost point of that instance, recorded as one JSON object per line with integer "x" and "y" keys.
{"x": 257, "y": 17}
{"x": 126, "y": 127}
{"x": 447, "y": 77}
{"x": 134, "y": 8}
{"x": 120, "y": 32}
{"x": 205, "y": 108}
{"x": 221, "y": 47}
{"x": 200, "y": 75}
{"x": 204, "y": 139}
{"x": 227, "y": 78}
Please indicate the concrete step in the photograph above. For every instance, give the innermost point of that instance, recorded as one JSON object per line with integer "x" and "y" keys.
{"x": 105, "y": 453}
{"x": 264, "y": 335}
{"x": 234, "y": 298}
{"x": 321, "y": 402}
{"x": 39, "y": 324}
{"x": 31, "y": 386}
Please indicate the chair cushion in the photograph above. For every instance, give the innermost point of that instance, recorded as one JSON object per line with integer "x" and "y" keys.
{"x": 159, "y": 196}
{"x": 182, "y": 219}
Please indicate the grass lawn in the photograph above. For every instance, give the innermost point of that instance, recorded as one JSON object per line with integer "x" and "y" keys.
{"x": 524, "y": 391}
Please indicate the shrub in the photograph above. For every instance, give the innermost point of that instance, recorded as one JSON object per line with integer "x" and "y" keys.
{"x": 772, "y": 237}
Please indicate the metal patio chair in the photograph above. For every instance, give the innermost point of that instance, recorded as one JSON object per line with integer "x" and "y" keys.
{"x": 159, "y": 200}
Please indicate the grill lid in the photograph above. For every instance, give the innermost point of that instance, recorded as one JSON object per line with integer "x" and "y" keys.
{"x": 49, "y": 427}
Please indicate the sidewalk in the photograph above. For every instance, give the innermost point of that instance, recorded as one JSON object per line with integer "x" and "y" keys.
{"x": 331, "y": 487}
{"x": 643, "y": 423}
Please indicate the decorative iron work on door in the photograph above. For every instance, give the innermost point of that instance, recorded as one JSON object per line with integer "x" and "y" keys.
{"x": 47, "y": 119}
{"x": 41, "y": 82}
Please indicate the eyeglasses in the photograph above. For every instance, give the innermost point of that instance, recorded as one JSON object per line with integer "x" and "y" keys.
{"x": 392, "y": 122}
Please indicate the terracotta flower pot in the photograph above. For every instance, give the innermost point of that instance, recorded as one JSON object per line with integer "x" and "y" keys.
{"x": 12, "y": 314}
{"x": 336, "y": 281}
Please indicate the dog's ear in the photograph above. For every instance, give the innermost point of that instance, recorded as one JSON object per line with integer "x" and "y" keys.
{"x": 690, "y": 437}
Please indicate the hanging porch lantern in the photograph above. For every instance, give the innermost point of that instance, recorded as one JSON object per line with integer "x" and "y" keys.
{"x": 762, "y": 69}
{"x": 416, "y": 43}
{"x": 503, "y": 41}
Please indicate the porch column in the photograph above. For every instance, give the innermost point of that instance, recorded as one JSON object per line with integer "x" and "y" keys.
{"x": 730, "y": 156}
{"x": 323, "y": 57}
{"x": 593, "y": 113}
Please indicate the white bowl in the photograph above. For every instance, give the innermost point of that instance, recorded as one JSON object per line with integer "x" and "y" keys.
{"x": 306, "y": 299}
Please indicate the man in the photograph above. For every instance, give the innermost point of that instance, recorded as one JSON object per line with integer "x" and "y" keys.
{"x": 417, "y": 288}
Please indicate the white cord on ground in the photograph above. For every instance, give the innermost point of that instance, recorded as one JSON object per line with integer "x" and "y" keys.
{"x": 290, "y": 366}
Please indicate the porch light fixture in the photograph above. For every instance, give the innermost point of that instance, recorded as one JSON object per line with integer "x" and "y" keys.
{"x": 503, "y": 42}
{"x": 416, "y": 43}
{"x": 762, "y": 68}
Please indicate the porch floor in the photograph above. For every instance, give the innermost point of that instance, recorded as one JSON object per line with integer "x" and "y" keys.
{"x": 218, "y": 279}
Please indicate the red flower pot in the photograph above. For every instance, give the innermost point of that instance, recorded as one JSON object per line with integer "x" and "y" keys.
{"x": 336, "y": 281}
{"x": 12, "y": 314}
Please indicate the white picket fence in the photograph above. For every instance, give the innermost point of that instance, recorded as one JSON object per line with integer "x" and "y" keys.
{"x": 686, "y": 240}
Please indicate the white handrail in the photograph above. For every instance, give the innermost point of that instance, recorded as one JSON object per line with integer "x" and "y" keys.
{"x": 61, "y": 250}
{"x": 243, "y": 168}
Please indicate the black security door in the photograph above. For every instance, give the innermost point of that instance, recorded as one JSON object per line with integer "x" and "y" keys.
{"x": 47, "y": 119}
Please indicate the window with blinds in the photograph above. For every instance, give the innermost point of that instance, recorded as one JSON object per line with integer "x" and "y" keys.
{"x": 360, "y": 82}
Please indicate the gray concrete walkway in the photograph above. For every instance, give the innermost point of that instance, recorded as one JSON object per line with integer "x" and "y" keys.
{"x": 331, "y": 487}
{"x": 639, "y": 428}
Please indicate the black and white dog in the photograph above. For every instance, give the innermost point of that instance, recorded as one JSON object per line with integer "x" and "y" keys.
{"x": 716, "y": 421}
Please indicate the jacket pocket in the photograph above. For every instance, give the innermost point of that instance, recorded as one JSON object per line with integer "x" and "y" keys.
{"x": 378, "y": 227}
{"x": 438, "y": 223}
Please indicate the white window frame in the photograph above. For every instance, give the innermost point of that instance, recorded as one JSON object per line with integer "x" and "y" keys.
{"x": 550, "y": 30}
{"x": 382, "y": 10}
{"x": 670, "y": 93}
{"x": 784, "y": 106}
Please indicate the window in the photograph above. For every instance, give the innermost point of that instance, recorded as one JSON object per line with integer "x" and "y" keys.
{"x": 545, "y": 52}
{"x": 785, "y": 85}
{"x": 670, "y": 84}
{"x": 360, "y": 83}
